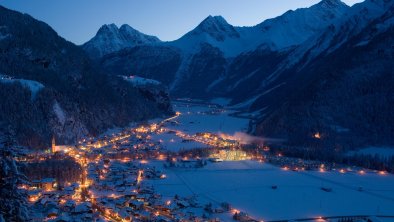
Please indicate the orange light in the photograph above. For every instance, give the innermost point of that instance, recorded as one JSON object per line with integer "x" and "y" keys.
{"x": 139, "y": 178}
{"x": 342, "y": 171}
{"x": 33, "y": 199}
{"x": 234, "y": 211}
{"x": 317, "y": 135}
{"x": 361, "y": 172}
{"x": 161, "y": 157}
{"x": 382, "y": 172}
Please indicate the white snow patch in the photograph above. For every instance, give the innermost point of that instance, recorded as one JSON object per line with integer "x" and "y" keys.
{"x": 61, "y": 116}
{"x": 33, "y": 86}
{"x": 243, "y": 79}
{"x": 214, "y": 83}
{"x": 199, "y": 118}
{"x": 139, "y": 81}
{"x": 246, "y": 104}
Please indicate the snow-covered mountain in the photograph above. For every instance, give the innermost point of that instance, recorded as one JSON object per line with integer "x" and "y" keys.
{"x": 326, "y": 68}
{"x": 202, "y": 58}
{"x": 110, "y": 38}
{"x": 339, "y": 84}
{"x": 295, "y": 27}
{"x": 213, "y": 30}
{"x": 351, "y": 24}
{"x": 49, "y": 87}
{"x": 287, "y": 30}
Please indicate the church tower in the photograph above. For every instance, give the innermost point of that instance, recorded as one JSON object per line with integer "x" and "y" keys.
{"x": 53, "y": 145}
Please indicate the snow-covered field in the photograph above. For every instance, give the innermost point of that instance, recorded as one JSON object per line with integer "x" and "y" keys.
{"x": 174, "y": 143}
{"x": 246, "y": 185}
{"x": 194, "y": 120}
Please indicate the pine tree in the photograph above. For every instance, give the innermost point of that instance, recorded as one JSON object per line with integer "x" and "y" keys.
{"x": 13, "y": 201}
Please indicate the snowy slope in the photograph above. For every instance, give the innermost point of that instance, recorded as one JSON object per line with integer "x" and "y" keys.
{"x": 294, "y": 27}
{"x": 33, "y": 86}
{"x": 110, "y": 38}
{"x": 139, "y": 81}
{"x": 289, "y": 29}
{"x": 352, "y": 24}
{"x": 215, "y": 31}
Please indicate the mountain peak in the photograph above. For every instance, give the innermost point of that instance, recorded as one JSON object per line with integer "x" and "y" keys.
{"x": 331, "y": 3}
{"x": 217, "y": 19}
{"x": 110, "y": 38}
{"x": 216, "y": 27}
{"x": 108, "y": 27}
{"x": 211, "y": 22}
{"x": 127, "y": 28}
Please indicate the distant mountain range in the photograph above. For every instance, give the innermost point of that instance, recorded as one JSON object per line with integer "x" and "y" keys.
{"x": 327, "y": 69}
{"x": 50, "y": 88}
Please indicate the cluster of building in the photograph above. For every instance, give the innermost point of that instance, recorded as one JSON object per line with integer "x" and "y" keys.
{"x": 51, "y": 202}
{"x": 114, "y": 184}
{"x": 210, "y": 139}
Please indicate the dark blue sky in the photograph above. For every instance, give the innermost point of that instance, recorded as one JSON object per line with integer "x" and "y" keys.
{"x": 79, "y": 20}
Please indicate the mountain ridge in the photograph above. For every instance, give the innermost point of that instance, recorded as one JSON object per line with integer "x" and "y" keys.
{"x": 59, "y": 91}
{"x": 110, "y": 38}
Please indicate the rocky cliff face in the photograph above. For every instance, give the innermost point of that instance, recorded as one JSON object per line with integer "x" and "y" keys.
{"x": 50, "y": 87}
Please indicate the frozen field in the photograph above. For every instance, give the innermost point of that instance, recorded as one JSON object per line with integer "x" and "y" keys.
{"x": 174, "y": 143}
{"x": 194, "y": 120}
{"x": 247, "y": 185}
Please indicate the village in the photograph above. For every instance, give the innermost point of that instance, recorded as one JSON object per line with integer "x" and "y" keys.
{"x": 115, "y": 173}
{"x": 113, "y": 182}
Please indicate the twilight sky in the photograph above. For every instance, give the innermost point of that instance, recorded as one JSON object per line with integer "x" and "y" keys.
{"x": 79, "y": 20}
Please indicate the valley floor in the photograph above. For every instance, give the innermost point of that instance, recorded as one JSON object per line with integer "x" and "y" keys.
{"x": 247, "y": 186}
{"x": 138, "y": 160}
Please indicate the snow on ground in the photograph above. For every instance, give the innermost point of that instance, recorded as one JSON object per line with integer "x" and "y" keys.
{"x": 33, "y": 86}
{"x": 380, "y": 151}
{"x": 139, "y": 81}
{"x": 61, "y": 116}
{"x": 221, "y": 101}
{"x": 174, "y": 143}
{"x": 246, "y": 104}
{"x": 197, "y": 118}
{"x": 246, "y": 185}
